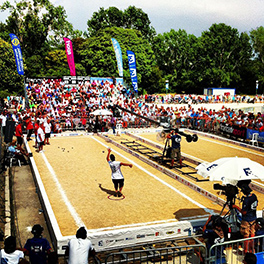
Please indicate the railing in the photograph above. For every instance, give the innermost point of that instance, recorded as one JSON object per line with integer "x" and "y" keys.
{"x": 233, "y": 251}
{"x": 177, "y": 254}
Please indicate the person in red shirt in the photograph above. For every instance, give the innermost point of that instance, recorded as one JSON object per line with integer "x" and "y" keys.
{"x": 29, "y": 127}
{"x": 19, "y": 133}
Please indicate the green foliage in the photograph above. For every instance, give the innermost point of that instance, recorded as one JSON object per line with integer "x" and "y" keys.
{"x": 98, "y": 56}
{"x": 176, "y": 54}
{"x": 131, "y": 18}
{"x": 257, "y": 38}
{"x": 36, "y": 23}
{"x": 56, "y": 64}
{"x": 221, "y": 57}
{"x": 222, "y": 54}
{"x": 10, "y": 81}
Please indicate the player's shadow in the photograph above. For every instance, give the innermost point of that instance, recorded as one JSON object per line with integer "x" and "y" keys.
{"x": 109, "y": 192}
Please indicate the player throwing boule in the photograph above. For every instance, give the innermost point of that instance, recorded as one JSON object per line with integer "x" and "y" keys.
{"x": 117, "y": 176}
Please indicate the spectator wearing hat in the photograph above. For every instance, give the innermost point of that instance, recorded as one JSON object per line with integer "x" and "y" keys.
{"x": 249, "y": 216}
{"x": 37, "y": 248}
{"x": 80, "y": 248}
{"x": 9, "y": 254}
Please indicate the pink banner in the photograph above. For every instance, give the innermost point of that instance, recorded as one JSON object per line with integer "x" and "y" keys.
{"x": 69, "y": 53}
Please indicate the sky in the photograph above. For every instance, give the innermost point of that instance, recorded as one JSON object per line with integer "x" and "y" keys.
{"x": 194, "y": 16}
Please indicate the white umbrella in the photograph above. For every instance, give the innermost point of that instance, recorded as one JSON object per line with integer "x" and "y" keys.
{"x": 231, "y": 169}
{"x": 102, "y": 112}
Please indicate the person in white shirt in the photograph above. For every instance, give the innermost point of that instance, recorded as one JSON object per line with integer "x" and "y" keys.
{"x": 47, "y": 127}
{"x": 79, "y": 248}
{"x": 40, "y": 136}
{"x": 117, "y": 176}
{"x": 9, "y": 254}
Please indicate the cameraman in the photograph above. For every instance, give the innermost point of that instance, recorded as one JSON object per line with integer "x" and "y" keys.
{"x": 249, "y": 216}
{"x": 175, "y": 146}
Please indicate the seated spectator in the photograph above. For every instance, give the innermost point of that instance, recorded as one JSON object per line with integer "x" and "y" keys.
{"x": 215, "y": 235}
{"x": 79, "y": 248}
{"x": 37, "y": 248}
{"x": 17, "y": 151}
{"x": 9, "y": 254}
{"x": 57, "y": 128}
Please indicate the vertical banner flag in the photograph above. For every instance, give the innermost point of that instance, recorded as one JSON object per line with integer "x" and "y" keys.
{"x": 118, "y": 54}
{"x": 132, "y": 69}
{"x": 69, "y": 53}
{"x": 18, "y": 54}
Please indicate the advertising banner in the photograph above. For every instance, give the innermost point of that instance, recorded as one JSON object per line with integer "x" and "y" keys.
{"x": 132, "y": 69}
{"x": 18, "y": 54}
{"x": 70, "y": 57}
{"x": 234, "y": 130}
{"x": 118, "y": 54}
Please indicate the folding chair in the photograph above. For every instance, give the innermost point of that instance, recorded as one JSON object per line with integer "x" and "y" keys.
{"x": 254, "y": 139}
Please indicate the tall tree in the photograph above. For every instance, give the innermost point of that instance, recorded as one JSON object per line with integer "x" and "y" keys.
{"x": 39, "y": 25}
{"x": 176, "y": 57}
{"x": 223, "y": 53}
{"x": 131, "y": 18}
{"x": 35, "y": 22}
{"x": 257, "y": 38}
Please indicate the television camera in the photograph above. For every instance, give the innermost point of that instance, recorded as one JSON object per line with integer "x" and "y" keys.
{"x": 230, "y": 191}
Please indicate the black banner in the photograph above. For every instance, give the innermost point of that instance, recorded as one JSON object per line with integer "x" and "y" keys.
{"x": 234, "y": 130}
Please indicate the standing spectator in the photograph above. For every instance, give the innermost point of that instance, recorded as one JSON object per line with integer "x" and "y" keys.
{"x": 176, "y": 146}
{"x": 3, "y": 117}
{"x": 113, "y": 123}
{"x": 10, "y": 255}
{"x": 117, "y": 176}
{"x": 40, "y": 136}
{"x": 259, "y": 244}
{"x": 36, "y": 127}
{"x": 47, "y": 126}
{"x": 19, "y": 133}
{"x": 37, "y": 248}
{"x": 249, "y": 216}
{"x": 79, "y": 248}
{"x": 29, "y": 128}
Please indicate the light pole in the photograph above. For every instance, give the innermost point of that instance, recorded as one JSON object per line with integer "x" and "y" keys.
{"x": 256, "y": 86}
{"x": 167, "y": 85}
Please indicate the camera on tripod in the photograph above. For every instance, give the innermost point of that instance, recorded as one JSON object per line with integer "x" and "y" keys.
{"x": 230, "y": 191}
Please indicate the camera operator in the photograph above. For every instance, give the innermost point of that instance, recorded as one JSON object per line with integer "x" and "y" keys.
{"x": 175, "y": 146}
{"x": 249, "y": 216}
{"x": 215, "y": 233}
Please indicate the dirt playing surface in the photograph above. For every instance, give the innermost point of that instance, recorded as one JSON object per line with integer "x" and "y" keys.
{"x": 74, "y": 171}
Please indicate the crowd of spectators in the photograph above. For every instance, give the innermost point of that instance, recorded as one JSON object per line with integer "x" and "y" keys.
{"x": 71, "y": 107}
